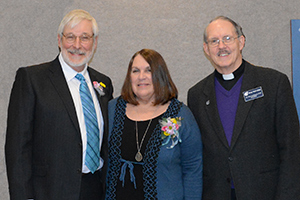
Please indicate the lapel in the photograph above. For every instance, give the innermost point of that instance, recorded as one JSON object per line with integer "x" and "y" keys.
{"x": 94, "y": 78}
{"x": 103, "y": 101}
{"x": 59, "y": 82}
{"x": 212, "y": 109}
{"x": 243, "y": 109}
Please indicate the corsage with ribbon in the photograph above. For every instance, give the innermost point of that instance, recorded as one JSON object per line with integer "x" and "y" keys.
{"x": 99, "y": 87}
{"x": 169, "y": 127}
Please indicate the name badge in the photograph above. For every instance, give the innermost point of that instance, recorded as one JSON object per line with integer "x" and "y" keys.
{"x": 253, "y": 94}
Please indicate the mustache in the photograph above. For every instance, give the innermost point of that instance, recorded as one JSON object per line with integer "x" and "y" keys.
{"x": 223, "y": 51}
{"x": 76, "y": 51}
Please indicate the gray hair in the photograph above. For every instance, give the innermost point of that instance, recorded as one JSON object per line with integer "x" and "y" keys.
{"x": 74, "y": 17}
{"x": 238, "y": 28}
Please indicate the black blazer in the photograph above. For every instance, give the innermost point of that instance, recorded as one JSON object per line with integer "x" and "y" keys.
{"x": 43, "y": 146}
{"x": 263, "y": 160}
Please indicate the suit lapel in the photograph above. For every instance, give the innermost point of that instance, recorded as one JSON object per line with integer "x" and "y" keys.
{"x": 212, "y": 109}
{"x": 59, "y": 82}
{"x": 103, "y": 106}
{"x": 243, "y": 109}
{"x": 93, "y": 78}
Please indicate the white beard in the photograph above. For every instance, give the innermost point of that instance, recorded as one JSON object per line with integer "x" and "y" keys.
{"x": 88, "y": 57}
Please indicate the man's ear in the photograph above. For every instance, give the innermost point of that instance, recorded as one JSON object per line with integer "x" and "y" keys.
{"x": 59, "y": 40}
{"x": 242, "y": 40}
{"x": 95, "y": 42}
{"x": 205, "y": 48}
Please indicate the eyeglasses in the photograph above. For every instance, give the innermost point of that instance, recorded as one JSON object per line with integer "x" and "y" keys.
{"x": 70, "y": 38}
{"x": 226, "y": 40}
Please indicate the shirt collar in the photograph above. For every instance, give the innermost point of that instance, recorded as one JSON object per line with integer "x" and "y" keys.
{"x": 228, "y": 84}
{"x": 236, "y": 74}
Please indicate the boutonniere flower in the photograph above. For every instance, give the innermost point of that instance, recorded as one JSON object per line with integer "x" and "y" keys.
{"x": 99, "y": 87}
{"x": 169, "y": 127}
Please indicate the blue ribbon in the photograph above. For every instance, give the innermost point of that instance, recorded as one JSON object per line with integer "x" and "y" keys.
{"x": 128, "y": 164}
{"x": 175, "y": 140}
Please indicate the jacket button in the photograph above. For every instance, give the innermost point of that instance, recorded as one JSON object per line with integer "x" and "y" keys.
{"x": 79, "y": 171}
{"x": 230, "y": 159}
{"x": 228, "y": 180}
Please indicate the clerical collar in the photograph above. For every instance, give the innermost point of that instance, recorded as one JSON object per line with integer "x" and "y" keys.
{"x": 229, "y": 80}
{"x": 228, "y": 77}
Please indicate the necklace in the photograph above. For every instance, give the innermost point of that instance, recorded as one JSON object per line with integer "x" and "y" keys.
{"x": 138, "y": 155}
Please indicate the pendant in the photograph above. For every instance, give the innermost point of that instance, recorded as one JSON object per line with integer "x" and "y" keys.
{"x": 138, "y": 156}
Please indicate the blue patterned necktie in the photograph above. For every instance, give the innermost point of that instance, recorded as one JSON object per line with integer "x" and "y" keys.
{"x": 92, "y": 158}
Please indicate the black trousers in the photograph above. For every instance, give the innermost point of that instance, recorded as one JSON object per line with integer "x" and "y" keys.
{"x": 91, "y": 186}
{"x": 233, "y": 197}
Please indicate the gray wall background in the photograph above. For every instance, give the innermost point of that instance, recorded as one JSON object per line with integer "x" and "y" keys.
{"x": 172, "y": 27}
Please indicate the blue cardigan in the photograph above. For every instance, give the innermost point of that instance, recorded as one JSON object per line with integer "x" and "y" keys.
{"x": 176, "y": 173}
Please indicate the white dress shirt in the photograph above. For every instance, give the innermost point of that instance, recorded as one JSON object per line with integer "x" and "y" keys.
{"x": 74, "y": 84}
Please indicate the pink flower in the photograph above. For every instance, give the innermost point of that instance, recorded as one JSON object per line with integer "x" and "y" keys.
{"x": 99, "y": 87}
{"x": 169, "y": 127}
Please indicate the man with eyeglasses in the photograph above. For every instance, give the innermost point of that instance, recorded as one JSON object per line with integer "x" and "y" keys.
{"x": 56, "y": 141}
{"x": 248, "y": 122}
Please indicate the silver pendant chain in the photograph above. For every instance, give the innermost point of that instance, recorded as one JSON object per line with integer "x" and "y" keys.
{"x": 138, "y": 155}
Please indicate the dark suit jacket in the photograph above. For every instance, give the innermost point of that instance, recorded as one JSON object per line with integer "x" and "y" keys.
{"x": 43, "y": 143}
{"x": 264, "y": 157}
